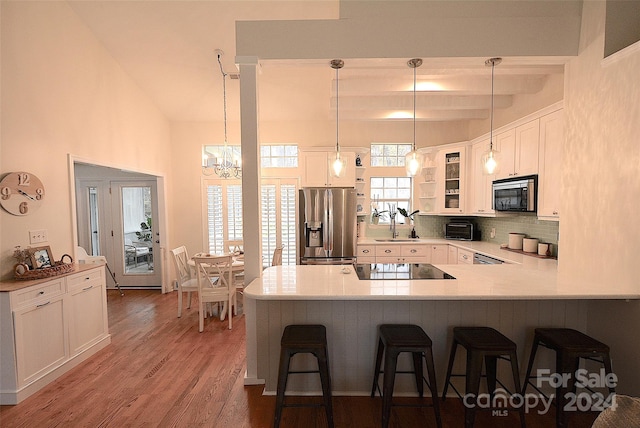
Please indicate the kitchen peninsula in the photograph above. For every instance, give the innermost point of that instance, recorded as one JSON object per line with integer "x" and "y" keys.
{"x": 514, "y": 297}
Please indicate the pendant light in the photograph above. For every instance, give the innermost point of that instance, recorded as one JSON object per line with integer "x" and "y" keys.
{"x": 490, "y": 158}
{"x": 413, "y": 160}
{"x": 224, "y": 166}
{"x": 336, "y": 163}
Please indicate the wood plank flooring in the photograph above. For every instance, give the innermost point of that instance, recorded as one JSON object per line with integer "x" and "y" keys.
{"x": 160, "y": 372}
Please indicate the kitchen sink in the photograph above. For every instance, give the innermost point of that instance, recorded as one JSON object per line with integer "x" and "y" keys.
{"x": 396, "y": 240}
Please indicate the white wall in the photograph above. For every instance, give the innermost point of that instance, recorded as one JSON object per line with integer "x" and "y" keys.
{"x": 63, "y": 94}
{"x": 599, "y": 235}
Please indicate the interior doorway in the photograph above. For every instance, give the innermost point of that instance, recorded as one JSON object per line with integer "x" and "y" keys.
{"x": 117, "y": 217}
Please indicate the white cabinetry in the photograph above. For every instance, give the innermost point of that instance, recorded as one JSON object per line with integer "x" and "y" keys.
{"x": 48, "y": 327}
{"x": 465, "y": 257}
{"x": 315, "y": 169}
{"x": 40, "y": 336}
{"x": 366, "y": 254}
{"x": 87, "y": 309}
{"x": 388, "y": 254}
{"x": 439, "y": 254}
{"x": 414, "y": 253}
{"x": 427, "y": 186}
{"x": 453, "y": 255}
{"x": 481, "y": 197}
{"x": 518, "y": 149}
{"x": 550, "y": 164}
{"x": 394, "y": 253}
{"x": 453, "y": 176}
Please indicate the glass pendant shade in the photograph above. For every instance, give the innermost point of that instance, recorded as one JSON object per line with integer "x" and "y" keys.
{"x": 491, "y": 158}
{"x": 490, "y": 161}
{"x": 413, "y": 162}
{"x": 337, "y": 166}
{"x": 336, "y": 163}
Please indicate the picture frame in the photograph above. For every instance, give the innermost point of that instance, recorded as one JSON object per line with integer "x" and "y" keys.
{"x": 41, "y": 257}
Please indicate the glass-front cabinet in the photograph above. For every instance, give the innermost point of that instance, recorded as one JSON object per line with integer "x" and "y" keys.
{"x": 453, "y": 176}
{"x": 426, "y": 185}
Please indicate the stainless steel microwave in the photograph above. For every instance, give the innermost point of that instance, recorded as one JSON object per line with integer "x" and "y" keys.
{"x": 517, "y": 194}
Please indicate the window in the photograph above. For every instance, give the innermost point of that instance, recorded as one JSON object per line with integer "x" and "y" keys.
{"x": 278, "y": 221}
{"x": 389, "y": 154}
{"x": 390, "y": 190}
{"x": 278, "y": 199}
{"x": 279, "y": 156}
{"x": 223, "y": 198}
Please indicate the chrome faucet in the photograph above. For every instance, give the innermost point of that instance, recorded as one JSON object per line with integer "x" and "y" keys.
{"x": 392, "y": 223}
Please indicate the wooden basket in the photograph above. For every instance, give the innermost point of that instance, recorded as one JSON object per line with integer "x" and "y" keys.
{"x": 58, "y": 268}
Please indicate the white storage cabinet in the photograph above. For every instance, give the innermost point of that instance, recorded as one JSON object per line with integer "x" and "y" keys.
{"x": 48, "y": 327}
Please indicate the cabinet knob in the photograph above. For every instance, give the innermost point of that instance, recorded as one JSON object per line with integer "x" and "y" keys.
{"x": 387, "y": 251}
{"x": 365, "y": 251}
{"x": 413, "y": 250}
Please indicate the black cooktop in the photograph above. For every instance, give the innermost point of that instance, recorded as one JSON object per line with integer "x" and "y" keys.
{"x": 396, "y": 271}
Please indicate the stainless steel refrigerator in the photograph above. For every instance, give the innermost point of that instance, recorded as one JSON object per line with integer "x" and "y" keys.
{"x": 327, "y": 222}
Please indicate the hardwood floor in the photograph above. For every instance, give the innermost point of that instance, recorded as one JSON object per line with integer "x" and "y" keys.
{"x": 159, "y": 371}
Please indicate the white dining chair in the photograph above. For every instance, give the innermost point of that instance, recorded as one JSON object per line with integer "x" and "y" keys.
{"x": 233, "y": 245}
{"x": 214, "y": 285}
{"x": 187, "y": 283}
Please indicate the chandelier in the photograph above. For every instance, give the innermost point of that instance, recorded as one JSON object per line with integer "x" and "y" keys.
{"x": 224, "y": 164}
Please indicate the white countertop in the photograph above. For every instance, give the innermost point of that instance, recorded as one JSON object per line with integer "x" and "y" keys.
{"x": 521, "y": 278}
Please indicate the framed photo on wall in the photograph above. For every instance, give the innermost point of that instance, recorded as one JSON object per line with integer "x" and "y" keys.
{"x": 41, "y": 257}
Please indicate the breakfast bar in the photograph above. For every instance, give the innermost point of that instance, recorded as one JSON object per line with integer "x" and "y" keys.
{"x": 514, "y": 298}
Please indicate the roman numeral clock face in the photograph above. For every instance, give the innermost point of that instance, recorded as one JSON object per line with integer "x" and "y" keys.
{"x": 21, "y": 193}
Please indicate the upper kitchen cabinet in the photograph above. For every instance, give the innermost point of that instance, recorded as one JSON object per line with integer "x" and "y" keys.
{"x": 315, "y": 169}
{"x": 518, "y": 150}
{"x": 426, "y": 185}
{"x": 453, "y": 179}
{"x": 550, "y": 164}
{"x": 481, "y": 195}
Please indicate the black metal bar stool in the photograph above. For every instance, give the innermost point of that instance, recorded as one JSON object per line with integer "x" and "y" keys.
{"x": 393, "y": 340}
{"x": 570, "y": 345}
{"x": 488, "y": 344}
{"x": 304, "y": 339}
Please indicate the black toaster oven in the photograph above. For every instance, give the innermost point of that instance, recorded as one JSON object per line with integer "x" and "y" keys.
{"x": 461, "y": 230}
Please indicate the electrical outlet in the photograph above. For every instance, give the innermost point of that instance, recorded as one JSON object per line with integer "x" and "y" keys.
{"x": 493, "y": 232}
{"x": 37, "y": 236}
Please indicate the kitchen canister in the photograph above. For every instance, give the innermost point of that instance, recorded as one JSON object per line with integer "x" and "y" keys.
{"x": 530, "y": 245}
{"x": 543, "y": 249}
{"x": 515, "y": 241}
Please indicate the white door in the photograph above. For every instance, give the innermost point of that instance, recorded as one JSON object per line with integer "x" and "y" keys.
{"x": 135, "y": 234}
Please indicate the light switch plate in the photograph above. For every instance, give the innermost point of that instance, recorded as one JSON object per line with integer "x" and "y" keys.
{"x": 38, "y": 236}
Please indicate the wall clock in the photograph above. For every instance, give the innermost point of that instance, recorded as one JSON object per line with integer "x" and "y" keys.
{"x": 21, "y": 193}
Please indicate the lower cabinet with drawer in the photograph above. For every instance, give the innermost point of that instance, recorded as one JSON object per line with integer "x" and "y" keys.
{"x": 406, "y": 253}
{"x": 366, "y": 253}
{"x": 48, "y": 327}
{"x": 465, "y": 257}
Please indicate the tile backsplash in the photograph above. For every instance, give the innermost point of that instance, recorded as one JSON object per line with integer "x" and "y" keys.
{"x": 433, "y": 227}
